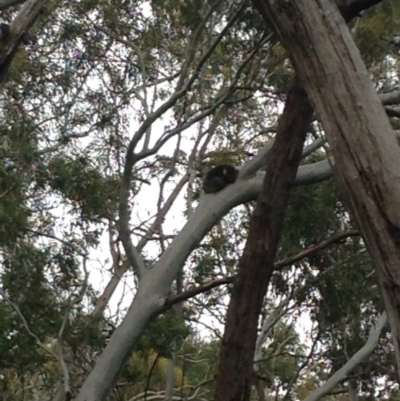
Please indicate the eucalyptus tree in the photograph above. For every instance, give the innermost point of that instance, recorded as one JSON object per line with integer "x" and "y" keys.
{"x": 110, "y": 117}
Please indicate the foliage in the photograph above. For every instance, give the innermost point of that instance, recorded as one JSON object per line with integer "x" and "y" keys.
{"x": 74, "y": 99}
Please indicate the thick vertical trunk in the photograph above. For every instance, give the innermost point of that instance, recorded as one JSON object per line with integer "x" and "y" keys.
{"x": 365, "y": 149}
{"x": 257, "y": 262}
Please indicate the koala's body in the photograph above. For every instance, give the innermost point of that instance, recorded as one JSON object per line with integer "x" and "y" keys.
{"x": 219, "y": 177}
{"x": 353, "y": 8}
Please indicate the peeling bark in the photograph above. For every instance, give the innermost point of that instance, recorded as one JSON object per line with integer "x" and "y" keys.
{"x": 363, "y": 144}
{"x": 257, "y": 262}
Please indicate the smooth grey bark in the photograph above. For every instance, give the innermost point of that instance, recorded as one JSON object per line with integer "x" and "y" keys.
{"x": 155, "y": 284}
{"x": 170, "y": 380}
{"x": 268, "y": 323}
{"x": 339, "y": 376}
{"x": 148, "y": 304}
{"x": 355, "y": 360}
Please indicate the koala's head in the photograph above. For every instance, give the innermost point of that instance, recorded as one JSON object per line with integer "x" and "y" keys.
{"x": 230, "y": 174}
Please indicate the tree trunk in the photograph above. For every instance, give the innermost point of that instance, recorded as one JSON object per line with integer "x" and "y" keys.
{"x": 257, "y": 262}
{"x": 363, "y": 144}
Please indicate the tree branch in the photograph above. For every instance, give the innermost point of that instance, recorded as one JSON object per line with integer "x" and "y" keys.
{"x": 21, "y": 25}
{"x": 355, "y": 360}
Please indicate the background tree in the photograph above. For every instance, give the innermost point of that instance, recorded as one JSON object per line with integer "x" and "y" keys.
{"x": 73, "y": 101}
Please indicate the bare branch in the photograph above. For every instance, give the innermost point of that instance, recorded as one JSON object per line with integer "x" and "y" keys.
{"x": 124, "y": 216}
{"x": 307, "y": 252}
{"x": 355, "y": 360}
{"x": 278, "y": 266}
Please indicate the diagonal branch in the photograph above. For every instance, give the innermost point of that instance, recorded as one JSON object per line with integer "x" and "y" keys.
{"x": 355, "y": 360}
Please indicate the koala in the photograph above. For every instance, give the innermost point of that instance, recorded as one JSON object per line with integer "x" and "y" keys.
{"x": 219, "y": 177}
